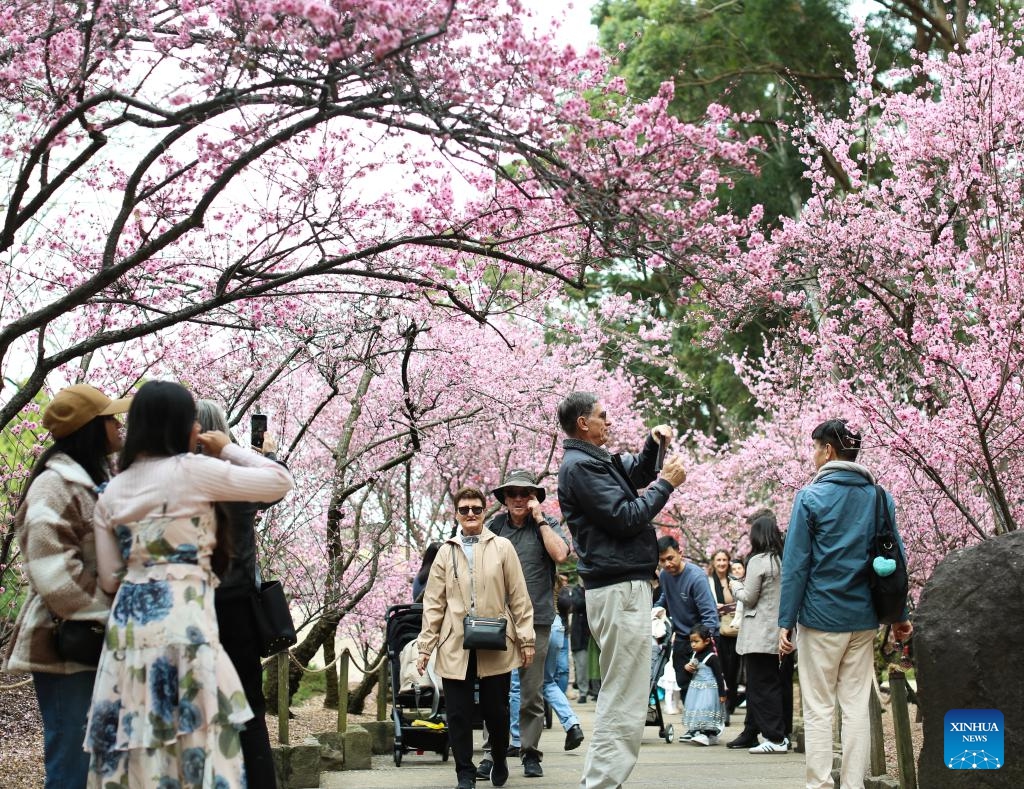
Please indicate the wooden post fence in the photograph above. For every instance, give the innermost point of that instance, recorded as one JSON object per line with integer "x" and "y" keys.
{"x": 282, "y": 696}
{"x": 343, "y": 661}
{"x": 901, "y": 725}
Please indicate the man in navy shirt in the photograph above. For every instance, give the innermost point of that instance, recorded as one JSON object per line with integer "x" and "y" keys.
{"x": 686, "y": 595}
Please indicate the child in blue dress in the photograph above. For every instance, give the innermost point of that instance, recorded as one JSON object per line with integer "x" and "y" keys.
{"x": 704, "y": 718}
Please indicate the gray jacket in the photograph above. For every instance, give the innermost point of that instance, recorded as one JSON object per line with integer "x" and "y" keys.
{"x": 759, "y": 593}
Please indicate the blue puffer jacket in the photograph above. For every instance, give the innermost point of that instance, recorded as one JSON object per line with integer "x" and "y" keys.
{"x": 609, "y": 520}
{"x": 825, "y": 562}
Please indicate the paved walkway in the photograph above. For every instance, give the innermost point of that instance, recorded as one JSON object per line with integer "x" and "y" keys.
{"x": 676, "y": 765}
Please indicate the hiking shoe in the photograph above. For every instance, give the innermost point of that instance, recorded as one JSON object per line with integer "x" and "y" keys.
{"x": 484, "y": 769}
{"x": 700, "y": 739}
{"x": 771, "y": 747}
{"x": 531, "y": 766}
{"x": 573, "y": 737}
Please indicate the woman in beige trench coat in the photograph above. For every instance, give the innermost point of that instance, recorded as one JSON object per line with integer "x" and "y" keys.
{"x": 476, "y": 565}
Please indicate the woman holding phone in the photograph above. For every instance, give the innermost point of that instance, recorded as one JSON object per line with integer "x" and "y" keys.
{"x": 168, "y": 703}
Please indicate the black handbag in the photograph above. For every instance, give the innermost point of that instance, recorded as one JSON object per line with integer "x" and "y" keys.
{"x": 887, "y": 568}
{"x": 79, "y": 640}
{"x": 274, "y": 624}
{"x": 480, "y": 632}
{"x": 484, "y": 632}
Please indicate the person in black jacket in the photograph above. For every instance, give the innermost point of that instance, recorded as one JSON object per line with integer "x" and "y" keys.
{"x": 610, "y": 522}
{"x": 233, "y": 600}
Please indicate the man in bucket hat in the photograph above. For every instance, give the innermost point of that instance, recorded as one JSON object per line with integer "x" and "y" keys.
{"x": 541, "y": 545}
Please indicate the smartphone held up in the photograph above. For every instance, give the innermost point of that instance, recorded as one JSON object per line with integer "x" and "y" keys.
{"x": 257, "y": 430}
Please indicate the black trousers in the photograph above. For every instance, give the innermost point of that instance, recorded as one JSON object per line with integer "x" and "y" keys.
{"x": 459, "y": 705}
{"x": 768, "y": 686}
{"x": 238, "y": 637}
{"x": 726, "y": 646}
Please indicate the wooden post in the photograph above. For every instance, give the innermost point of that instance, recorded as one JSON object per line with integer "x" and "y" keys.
{"x": 383, "y": 688}
{"x": 877, "y": 735}
{"x": 282, "y": 697}
{"x": 343, "y": 691}
{"x": 901, "y": 724}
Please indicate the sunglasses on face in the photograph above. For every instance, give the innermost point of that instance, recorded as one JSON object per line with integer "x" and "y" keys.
{"x": 466, "y": 509}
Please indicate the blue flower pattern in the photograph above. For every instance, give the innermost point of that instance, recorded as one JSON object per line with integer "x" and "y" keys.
{"x": 166, "y": 699}
{"x": 143, "y": 603}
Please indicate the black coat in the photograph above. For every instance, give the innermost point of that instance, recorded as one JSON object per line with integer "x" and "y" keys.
{"x": 609, "y": 520}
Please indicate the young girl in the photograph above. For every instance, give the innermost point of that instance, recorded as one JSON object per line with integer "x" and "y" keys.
{"x": 704, "y": 717}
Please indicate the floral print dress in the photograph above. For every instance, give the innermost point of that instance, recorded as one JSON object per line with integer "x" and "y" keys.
{"x": 167, "y": 704}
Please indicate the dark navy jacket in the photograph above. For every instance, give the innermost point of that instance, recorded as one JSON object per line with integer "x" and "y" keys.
{"x": 609, "y": 520}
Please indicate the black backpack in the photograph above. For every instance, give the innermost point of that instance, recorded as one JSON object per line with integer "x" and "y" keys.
{"x": 888, "y": 591}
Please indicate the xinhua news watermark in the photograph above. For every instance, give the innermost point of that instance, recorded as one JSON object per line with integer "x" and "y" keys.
{"x": 973, "y": 740}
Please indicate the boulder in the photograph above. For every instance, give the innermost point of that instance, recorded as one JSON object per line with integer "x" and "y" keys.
{"x": 969, "y": 653}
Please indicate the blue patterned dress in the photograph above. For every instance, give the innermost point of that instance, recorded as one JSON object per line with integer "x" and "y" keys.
{"x": 703, "y": 711}
{"x": 167, "y": 704}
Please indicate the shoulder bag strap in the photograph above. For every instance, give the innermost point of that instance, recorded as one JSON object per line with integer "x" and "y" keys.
{"x": 472, "y": 580}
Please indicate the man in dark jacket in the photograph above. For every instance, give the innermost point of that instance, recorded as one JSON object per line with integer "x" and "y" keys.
{"x": 610, "y": 522}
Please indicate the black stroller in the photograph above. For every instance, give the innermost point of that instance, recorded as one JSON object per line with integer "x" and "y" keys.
{"x": 661, "y": 652}
{"x": 417, "y": 709}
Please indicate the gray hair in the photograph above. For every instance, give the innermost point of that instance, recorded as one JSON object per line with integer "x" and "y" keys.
{"x": 212, "y": 417}
{"x": 573, "y": 407}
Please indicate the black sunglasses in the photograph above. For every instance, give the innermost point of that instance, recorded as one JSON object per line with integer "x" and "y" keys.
{"x": 466, "y": 509}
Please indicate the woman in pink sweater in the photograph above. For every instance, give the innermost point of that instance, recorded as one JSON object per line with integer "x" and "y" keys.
{"x": 168, "y": 703}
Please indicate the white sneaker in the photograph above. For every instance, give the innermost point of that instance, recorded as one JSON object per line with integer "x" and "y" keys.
{"x": 771, "y": 747}
{"x": 713, "y": 739}
{"x": 687, "y": 737}
{"x": 700, "y": 739}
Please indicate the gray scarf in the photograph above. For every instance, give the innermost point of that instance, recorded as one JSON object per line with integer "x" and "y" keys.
{"x": 844, "y": 465}
{"x": 588, "y": 449}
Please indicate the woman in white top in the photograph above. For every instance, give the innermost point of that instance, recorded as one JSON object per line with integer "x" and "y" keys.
{"x": 168, "y": 703}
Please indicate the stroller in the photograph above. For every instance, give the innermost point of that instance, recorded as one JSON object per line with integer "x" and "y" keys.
{"x": 417, "y": 708}
{"x": 661, "y": 651}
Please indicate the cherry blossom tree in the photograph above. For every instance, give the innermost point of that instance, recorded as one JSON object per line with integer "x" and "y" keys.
{"x": 898, "y": 297}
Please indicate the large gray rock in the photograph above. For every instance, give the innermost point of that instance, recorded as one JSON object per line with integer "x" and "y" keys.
{"x": 969, "y": 651}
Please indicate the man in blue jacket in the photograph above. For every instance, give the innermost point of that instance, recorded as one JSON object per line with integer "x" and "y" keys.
{"x": 825, "y": 593}
{"x": 610, "y": 522}
{"x": 686, "y": 595}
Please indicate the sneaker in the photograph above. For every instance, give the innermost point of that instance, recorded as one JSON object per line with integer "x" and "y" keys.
{"x": 687, "y": 737}
{"x": 513, "y": 750}
{"x": 700, "y": 739}
{"x": 499, "y": 773}
{"x": 483, "y": 770}
{"x": 771, "y": 747}
{"x": 713, "y": 739}
{"x": 531, "y": 766}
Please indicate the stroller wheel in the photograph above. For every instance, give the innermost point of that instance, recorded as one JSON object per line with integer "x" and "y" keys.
{"x": 398, "y": 756}
{"x": 670, "y": 733}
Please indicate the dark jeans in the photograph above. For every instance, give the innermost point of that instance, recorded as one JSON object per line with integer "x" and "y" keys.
{"x": 238, "y": 637}
{"x": 459, "y": 704}
{"x": 64, "y": 701}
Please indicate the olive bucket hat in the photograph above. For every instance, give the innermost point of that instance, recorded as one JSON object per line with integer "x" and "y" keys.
{"x": 519, "y": 478}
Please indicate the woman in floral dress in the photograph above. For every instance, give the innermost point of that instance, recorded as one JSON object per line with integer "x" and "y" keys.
{"x": 168, "y": 704}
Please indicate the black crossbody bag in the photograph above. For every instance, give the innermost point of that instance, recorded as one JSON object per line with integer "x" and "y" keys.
{"x": 479, "y": 632}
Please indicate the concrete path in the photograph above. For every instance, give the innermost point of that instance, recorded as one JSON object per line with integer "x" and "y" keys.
{"x": 674, "y": 765}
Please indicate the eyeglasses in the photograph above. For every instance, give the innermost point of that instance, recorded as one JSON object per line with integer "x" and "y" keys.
{"x": 465, "y": 510}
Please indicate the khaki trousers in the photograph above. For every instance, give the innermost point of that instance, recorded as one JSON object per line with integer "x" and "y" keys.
{"x": 620, "y": 621}
{"x": 836, "y": 667}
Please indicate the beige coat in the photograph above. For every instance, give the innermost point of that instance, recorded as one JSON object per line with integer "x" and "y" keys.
{"x": 500, "y": 591}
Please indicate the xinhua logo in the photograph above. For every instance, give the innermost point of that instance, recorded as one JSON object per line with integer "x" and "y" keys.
{"x": 974, "y": 739}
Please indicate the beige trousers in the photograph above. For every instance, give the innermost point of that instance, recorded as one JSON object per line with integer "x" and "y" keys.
{"x": 836, "y": 667}
{"x": 620, "y": 621}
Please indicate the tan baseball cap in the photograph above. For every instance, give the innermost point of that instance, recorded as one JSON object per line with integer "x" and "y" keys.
{"x": 74, "y": 407}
